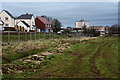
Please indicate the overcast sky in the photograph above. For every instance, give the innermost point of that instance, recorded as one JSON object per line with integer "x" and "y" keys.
{"x": 99, "y": 13}
{"x": 59, "y": 0}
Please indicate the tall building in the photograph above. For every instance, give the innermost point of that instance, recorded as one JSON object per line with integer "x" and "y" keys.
{"x": 81, "y": 23}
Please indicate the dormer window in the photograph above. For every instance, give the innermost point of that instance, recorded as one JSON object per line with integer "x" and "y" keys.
{"x": 6, "y": 18}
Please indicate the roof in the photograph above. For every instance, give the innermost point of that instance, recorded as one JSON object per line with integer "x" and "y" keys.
{"x": 9, "y": 14}
{"x": 1, "y": 22}
{"x": 24, "y": 16}
{"x": 82, "y": 20}
{"x": 97, "y": 26}
{"x": 25, "y": 23}
{"x": 43, "y": 19}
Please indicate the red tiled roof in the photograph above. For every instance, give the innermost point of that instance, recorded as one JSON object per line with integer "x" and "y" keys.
{"x": 43, "y": 19}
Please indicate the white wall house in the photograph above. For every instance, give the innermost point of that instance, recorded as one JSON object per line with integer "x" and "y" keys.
{"x": 1, "y": 25}
{"x": 28, "y": 19}
{"x": 82, "y": 23}
{"x": 7, "y": 19}
{"x": 10, "y": 22}
{"x": 23, "y": 24}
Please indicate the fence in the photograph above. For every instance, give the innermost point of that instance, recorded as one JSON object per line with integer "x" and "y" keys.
{"x": 16, "y": 37}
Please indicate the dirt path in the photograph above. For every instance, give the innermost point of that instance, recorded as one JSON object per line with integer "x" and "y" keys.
{"x": 92, "y": 63}
{"x": 105, "y": 54}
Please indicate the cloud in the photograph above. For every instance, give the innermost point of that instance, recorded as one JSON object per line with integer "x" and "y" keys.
{"x": 59, "y": 0}
{"x": 99, "y": 13}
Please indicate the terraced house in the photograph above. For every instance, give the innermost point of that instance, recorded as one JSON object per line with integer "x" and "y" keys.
{"x": 24, "y": 22}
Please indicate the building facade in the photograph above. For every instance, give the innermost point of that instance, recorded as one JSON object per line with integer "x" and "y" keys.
{"x": 26, "y": 19}
{"x": 101, "y": 29}
{"x": 7, "y": 19}
{"x": 43, "y": 24}
{"x": 1, "y": 25}
{"x": 24, "y": 22}
{"x": 81, "y": 23}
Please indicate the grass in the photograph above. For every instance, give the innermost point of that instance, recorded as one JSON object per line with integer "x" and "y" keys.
{"x": 15, "y": 38}
{"x": 108, "y": 59}
{"x": 74, "y": 62}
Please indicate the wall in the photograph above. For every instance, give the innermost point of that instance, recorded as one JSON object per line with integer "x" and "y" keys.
{"x": 39, "y": 24}
{"x": 32, "y": 22}
{"x": 22, "y": 25}
{"x": 28, "y": 21}
{"x": 81, "y": 24}
{"x": 10, "y": 21}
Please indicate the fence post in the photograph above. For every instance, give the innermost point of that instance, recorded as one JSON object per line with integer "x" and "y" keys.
{"x": 39, "y": 35}
{"x": 35, "y": 35}
{"x": 54, "y": 35}
{"x": 49, "y": 34}
{"x": 25, "y": 36}
{"x": 44, "y": 34}
{"x": 18, "y": 37}
{"x": 30, "y": 35}
{"x": 8, "y": 37}
{"x": 76, "y": 34}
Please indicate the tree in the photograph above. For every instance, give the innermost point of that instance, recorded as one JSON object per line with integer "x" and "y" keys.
{"x": 84, "y": 29}
{"x": 114, "y": 29}
{"x": 90, "y": 31}
{"x": 56, "y": 25}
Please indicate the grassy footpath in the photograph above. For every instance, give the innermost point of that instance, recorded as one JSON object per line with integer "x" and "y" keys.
{"x": 94, "y": 58}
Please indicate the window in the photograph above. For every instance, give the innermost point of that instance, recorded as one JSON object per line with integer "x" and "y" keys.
{"x": 6, "y": 18}
{"x": 0, "y": 18}
{"x": 50, "y": 25}
{"x": 32, "y": 22}
{"x": 6, "y": 25}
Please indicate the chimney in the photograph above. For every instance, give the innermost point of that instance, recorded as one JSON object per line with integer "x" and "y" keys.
{"x": 26, "y": 13}
{"x": 42, "y": 16}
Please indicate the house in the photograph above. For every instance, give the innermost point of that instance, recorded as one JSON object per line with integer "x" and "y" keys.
{"x": 7, "y": 19}
{"x": 26, "y": 21}
{"x": 1, "y": 25}
{"x": 101, "y": 29}
{"x": 43, "y": 24}
{"x": 22, "y": 26}
{"x": 81, "y": 23}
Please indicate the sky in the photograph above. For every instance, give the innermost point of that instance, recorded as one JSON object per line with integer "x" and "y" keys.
{"x": 59, "y": 0}
{"x": 98, "y": 13}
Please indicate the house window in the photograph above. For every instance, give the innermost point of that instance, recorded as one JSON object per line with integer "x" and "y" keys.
{"x": 32, "y": 22}
{"x": 6, "y": 18}
{"x": 6, "y": 25}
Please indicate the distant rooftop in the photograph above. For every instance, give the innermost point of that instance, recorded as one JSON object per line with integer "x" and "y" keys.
{"x": 43, "y": 19}
{"x": 25, "y": 16}
{"x": 8, "y": 13}
{"x": 82, "y": 20}
{"x": 25, "y": 23}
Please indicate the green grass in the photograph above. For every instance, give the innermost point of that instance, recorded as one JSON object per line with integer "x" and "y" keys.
{"x": 15, "y": 38}
{"x": 74, "y": 62}
{"x": 77, "y": 67}
{"x": 108, "y": 64}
